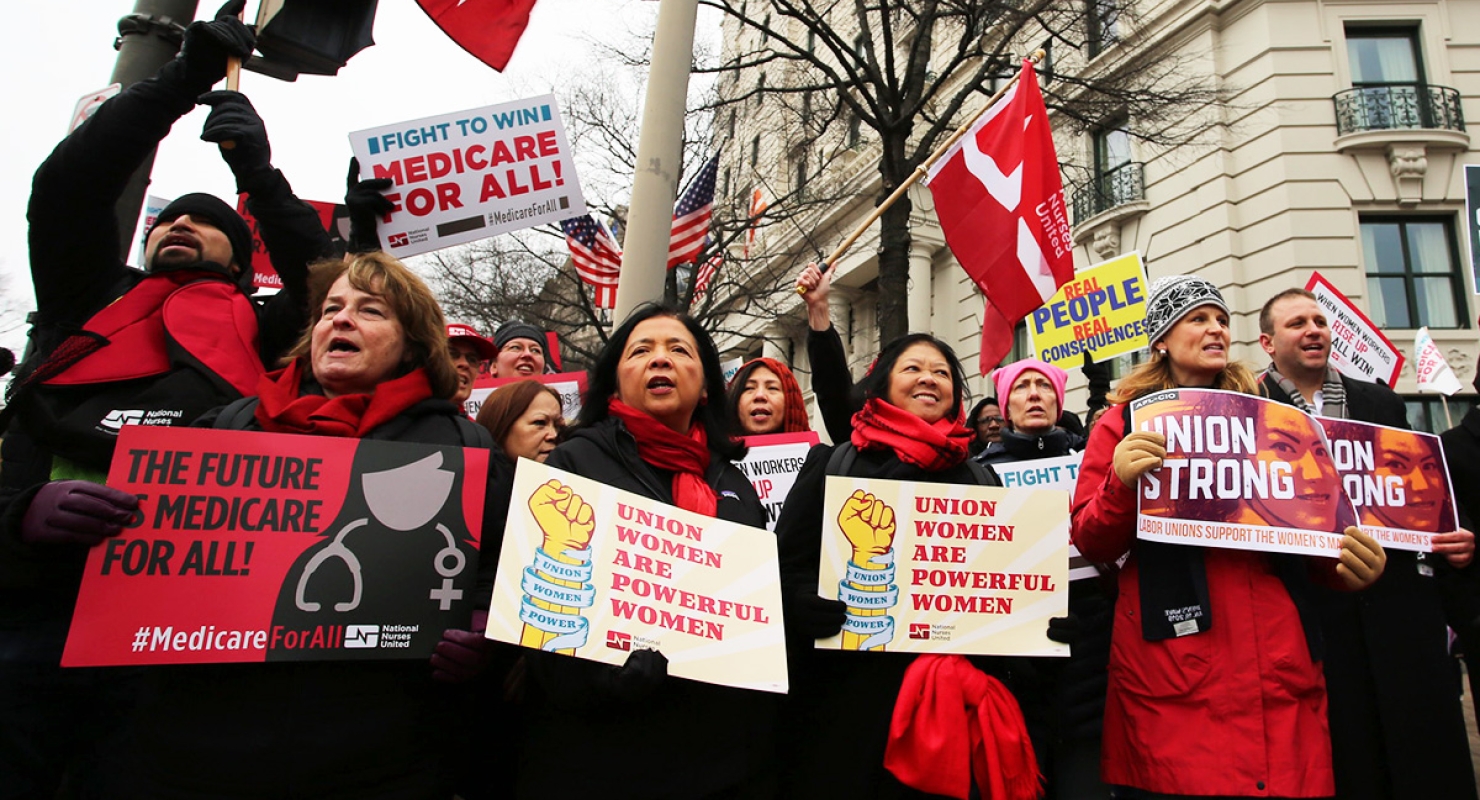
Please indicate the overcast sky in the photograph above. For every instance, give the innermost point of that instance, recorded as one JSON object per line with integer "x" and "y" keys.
{"x": 413, "y": 71}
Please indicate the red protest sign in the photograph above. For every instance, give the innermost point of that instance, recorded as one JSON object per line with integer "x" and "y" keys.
{"x": 335, "y": 219}
{"x": 253, "y": 547}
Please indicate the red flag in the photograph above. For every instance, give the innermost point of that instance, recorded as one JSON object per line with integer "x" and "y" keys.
{"x": 488, "y": 29}
{"x": 1001, "y": 205}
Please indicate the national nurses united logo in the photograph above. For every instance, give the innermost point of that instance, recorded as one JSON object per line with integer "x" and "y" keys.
{"x": 868, "y": 588}
{"x": 558, "y": 584}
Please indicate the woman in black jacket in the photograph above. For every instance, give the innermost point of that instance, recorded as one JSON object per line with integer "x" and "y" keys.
{"x": 838, "y": 718}
{"x": 373, "y": 365}
{"x": 652, "y": 423}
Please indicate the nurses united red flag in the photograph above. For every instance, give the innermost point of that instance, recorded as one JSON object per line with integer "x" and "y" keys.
{"x": 1001, "y": 206}
{"x": 488, "y": 29}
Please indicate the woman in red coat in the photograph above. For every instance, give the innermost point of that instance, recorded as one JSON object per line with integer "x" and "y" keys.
{"x": 1215, "y": 681}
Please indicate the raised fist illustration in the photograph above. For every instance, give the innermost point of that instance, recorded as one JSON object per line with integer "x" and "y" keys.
{"x": 565, "y": 519}
{"x": 868, "y": 522}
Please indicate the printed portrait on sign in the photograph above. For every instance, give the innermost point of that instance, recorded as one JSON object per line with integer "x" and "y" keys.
{"x": 1416, "y": 466}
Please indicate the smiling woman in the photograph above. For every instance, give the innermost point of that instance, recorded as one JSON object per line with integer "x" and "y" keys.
{"x": 652, "y": 424}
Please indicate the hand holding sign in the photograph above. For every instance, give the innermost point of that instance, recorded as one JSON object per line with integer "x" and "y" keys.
{"x": 1362, "y": 559}
{"x": 76, "y": 512}
{"x": 1458, "y": 547}
{"x": 1137, "y": 454}
{"x": 869, "y": 525}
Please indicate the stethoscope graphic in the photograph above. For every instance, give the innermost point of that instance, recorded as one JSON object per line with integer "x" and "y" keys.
{"x": 402, "y": 499}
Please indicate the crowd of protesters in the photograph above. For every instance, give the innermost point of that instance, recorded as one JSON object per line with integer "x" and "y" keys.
{"x": 1192, "y": 672}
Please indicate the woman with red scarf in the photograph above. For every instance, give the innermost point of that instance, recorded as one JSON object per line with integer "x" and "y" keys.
{"x": 764, "y": 398}
{"x": 861, "y": 726}
{"x": 372, "y": 365}
{"x": 652, "y": 423}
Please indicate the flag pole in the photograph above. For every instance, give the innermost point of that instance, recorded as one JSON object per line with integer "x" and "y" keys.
{"x": 922, "y": 169}
{"x": 1448, "y": 420}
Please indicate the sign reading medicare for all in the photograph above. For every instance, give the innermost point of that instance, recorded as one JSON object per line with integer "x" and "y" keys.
{"x": 470, "y": 175}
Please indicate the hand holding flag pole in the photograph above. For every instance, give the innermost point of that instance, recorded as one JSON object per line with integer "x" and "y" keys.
{"x": 922, "y": 170}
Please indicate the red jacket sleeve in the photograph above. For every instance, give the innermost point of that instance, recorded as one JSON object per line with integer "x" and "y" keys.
{"x": 1104, "y": 511}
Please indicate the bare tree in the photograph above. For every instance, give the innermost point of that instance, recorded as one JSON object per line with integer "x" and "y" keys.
{"x": 908, "y": 71}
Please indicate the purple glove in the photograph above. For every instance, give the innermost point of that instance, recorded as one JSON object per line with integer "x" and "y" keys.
{"x": 463, "y": 655}
{"x": 77, "y": 512}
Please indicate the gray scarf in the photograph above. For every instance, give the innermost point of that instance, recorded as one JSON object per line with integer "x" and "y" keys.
{"x": 1333, "y": 394}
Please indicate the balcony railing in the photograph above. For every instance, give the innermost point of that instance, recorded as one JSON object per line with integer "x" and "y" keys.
{"x": 1119, "y": 186}
{"x": 1386, "y": 108}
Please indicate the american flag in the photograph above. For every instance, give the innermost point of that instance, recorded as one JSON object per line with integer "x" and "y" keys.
{"x": 706, "y": 274}
{"x": 758, "y": 206}
{"x": 598, "y": 261}
{"x": 691, "y": 217}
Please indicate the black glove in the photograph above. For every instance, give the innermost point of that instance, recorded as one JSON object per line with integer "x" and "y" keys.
{"x": 235, "y": 126}
{"x": 208, "y": 45}
{"x": 367, "y": 205}
{"x": 1064, "y": 630}
{"x": 814, "y": 616}
{"x": 644, "y": 671}
{"x": 76, "y": 512}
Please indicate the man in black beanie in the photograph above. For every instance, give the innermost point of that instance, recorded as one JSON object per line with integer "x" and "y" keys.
{"x": 112, "y": 346}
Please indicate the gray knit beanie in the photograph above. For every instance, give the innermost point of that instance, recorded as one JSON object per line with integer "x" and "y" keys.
{"x": 1172, "y": 297}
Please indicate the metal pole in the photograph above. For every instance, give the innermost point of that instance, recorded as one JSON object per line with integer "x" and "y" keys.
{"x": 659, "y": 158}
{"x": 147, "y": 40}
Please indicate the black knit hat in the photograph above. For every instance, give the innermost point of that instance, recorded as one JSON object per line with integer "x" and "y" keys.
{"x": 225, "y": 218}
{"x": 514, "y": 329}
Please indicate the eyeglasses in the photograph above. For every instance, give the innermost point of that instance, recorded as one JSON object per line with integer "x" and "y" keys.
{"x": 990, "y": 420}
{"x": 458, "y": 354}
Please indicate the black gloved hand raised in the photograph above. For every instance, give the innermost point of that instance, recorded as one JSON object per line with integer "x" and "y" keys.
{"x": 234, "y": 125}
{"x": 76, "y": 512}
{"x": 643, "y": 673}
{"x": 1064, "y": 630}
{"x": 208, "y": 45}
{"x": 367, "y": 205}
{"x": 814, "y": 616}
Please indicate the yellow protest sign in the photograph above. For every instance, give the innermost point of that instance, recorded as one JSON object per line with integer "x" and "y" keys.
{"x": 1102, "y": 311}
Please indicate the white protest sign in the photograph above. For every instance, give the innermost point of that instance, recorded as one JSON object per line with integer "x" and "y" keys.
{"x": 1434, "y": 374}
{"x": 595, "y": 572}
{"x": 1358, "y": 348}
{"x": 943, "y": 567}
{"x": 88, "y": 103}
{"x": 772, "y": 463}
{"x": 473, "y": 174}
{"x": 1061, "y": 474}
{"x": 569, "y": 385}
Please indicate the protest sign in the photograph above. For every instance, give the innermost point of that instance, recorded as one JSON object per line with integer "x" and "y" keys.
{"x": 570, "y": 385}
{"x": 944, "y": 568}
{"x": 1358, "y": 347}
{"x": 772, "y": 463}
{"x": 334, "y": 218}
{"x": 593, "y": 571}
{"x": 273, "y": 547}
{"x": 153, "y": 205}
{"x": 1397, "y": 479}
{"x": 1101, "y": 311}
{"x": 472, "y": 174}
{"x": 1060, "y": 474}
{"x": 1241, "y": 472}
{"x": 1431, "y": 369}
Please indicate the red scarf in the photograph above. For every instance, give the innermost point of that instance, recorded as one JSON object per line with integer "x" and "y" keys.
{"x": 931, "y": 446}
{"x": 284, "y": 408}
{"x": 687, "y": 457}
{"x": 953, "y": 722}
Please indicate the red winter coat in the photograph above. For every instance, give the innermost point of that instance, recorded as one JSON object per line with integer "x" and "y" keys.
{"x": 1239, "y": 709}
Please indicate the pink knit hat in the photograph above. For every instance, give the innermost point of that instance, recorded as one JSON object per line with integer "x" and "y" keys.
{"x": 1006, "y": 376}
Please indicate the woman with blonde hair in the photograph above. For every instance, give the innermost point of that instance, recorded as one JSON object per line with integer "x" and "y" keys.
{"x": 1217, "y": 641}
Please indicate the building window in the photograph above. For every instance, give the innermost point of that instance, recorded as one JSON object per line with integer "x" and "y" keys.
{"x": 1426, "y": 411}
{"x": 1103, "y": 18}
{"x": 1117, "y": 180}
{"x": 1413, "y": 279}
{"x": 755, "y": 150}
{"x": 1389, "y": 89}
{"x": 855, "y": 130}
{"x": 799, "y": 166}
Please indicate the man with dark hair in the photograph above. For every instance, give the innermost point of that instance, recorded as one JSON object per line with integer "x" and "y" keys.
{"x": 1397, "y": 727}
{"x": 113, "y": 346}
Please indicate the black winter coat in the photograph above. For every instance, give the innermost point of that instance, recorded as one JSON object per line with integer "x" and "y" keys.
{"x": 76, "y": 272}
{"x": 837, "y": 715}
{"x": 334, "y": 729}
{"x": 685, "y": 739}
{"x": 1397, "y": 726}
